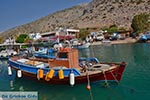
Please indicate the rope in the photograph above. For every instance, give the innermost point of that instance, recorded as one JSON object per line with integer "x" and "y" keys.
{"x": 107, "y": 85}
{"x": 119, "y": 98}
{"x": 91, "y": 95}
{"x": 114, "y": 77}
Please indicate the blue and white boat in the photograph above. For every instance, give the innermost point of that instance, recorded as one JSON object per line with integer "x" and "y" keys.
{"x": 45, "y": 53}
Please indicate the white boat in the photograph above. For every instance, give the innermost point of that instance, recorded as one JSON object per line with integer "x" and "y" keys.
{"x": 106, "y": 42}
{"x": 5, "y": 54}
{"x": 82, "y": 46}
{"x": 76, "y": 44}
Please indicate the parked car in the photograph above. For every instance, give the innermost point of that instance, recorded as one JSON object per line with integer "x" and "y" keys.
{"x": 145, "y": 37}
{"x": 133, "y": 35}
{"x": 100, "y": 37}
{"x": 114, "y": 36}
{"x": 147, "y": 34}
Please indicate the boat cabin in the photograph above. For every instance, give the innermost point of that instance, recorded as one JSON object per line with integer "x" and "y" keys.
{"x": 67, "y": 57}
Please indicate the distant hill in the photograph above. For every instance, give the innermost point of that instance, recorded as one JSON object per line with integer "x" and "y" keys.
{"x": 96, "y": 14}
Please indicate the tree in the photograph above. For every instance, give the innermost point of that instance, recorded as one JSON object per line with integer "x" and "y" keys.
{"x": 83, "y": 33}
{"x": 28, "y": 40}
{"x": 21, "y": 38}
{"x": 1, "y": 39}
{"x": 140, "y": 23}
{"x": 111, "y": 29}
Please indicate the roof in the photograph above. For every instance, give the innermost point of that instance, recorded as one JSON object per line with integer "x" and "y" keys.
{"x": 47, "y": 33}
{"x": 72, "y": 30}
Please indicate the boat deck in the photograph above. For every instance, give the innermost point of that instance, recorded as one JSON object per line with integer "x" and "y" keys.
{"x": 98, "y": 68}
{"x": 95, "y": 68}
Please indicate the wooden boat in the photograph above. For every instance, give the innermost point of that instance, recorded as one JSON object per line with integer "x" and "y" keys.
{"x": 66, "y": 68}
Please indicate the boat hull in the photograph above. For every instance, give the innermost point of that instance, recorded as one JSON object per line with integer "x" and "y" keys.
{"x": 83, "y": 46}
{"x": 109, "y": 75}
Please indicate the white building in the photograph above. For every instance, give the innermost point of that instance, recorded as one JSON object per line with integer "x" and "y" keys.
{"x": 61, "y": 34}
{"x": 9, "y": 41}
{"x": 35, "y": 36}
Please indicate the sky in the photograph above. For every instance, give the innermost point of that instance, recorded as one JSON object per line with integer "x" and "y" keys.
{"x": 18, "y": 12}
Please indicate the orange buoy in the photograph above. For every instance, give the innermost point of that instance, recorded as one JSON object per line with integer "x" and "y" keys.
{"x": 61, "y": 74}
{"x": 88, "y": 87}
{"x": 50, "y": 74}
{"x": 40, "y": 73}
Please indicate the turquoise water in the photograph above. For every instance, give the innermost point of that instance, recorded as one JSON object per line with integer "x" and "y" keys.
{"x": 135, "y": 83}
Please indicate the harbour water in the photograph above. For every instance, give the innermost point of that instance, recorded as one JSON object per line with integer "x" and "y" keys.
{"x": 135, "y": 83}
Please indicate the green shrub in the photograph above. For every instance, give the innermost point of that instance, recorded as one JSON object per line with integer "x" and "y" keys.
{"x": 21, "y": 38}
{"x": 112, "y": 29}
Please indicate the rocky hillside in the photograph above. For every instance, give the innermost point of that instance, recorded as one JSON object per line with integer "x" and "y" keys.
{"x": 96, "y": 14}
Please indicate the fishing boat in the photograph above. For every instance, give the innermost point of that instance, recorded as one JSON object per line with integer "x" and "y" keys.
{"x": 46, "y": 54}
{"x": 66, "y": 68}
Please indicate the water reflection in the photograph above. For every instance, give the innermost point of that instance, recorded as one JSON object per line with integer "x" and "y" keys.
{"x": 5, "y": 79}
{"x": 51, "y": 92}
{"x": 84, "y": 52}
{"x": 134, "y": 84}
{"x": 12, "y": 85}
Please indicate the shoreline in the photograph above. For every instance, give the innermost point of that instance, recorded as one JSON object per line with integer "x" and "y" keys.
{"x": 127, "y": 40}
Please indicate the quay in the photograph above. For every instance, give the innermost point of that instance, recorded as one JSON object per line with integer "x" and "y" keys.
{"x": 13, "y": 44}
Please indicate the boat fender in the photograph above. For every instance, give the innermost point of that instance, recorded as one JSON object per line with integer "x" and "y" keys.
{"x": 61, "y": 74}
{"x": 46, "y": 77}
{"x": 72, "y": 79}
{"x": 50, "y": 74}
{"x": 19, "y": 73}
{"x": 40, "y": 74}
{"x": 9, "y": 70}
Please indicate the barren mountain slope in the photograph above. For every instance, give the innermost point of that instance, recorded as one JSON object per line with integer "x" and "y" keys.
{"x": 98, "y": 13}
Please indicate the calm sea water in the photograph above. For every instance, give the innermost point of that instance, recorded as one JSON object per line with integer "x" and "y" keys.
{"x": 135, "y": 83}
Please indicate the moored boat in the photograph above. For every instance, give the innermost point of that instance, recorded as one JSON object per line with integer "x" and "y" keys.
{"x": 82, "y": 46}
{"x": 46, "y": 54}
{"x": 6, "y": 54}
{"x": 79, "y": 45}
{"x": 66, "y": 68}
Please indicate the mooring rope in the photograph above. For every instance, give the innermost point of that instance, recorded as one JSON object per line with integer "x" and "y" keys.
{"x": 119, "y": 98}
{"x": 88, "y": 86}
{"x": 107, "y": 85}
{"x": 114, "y": 77}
